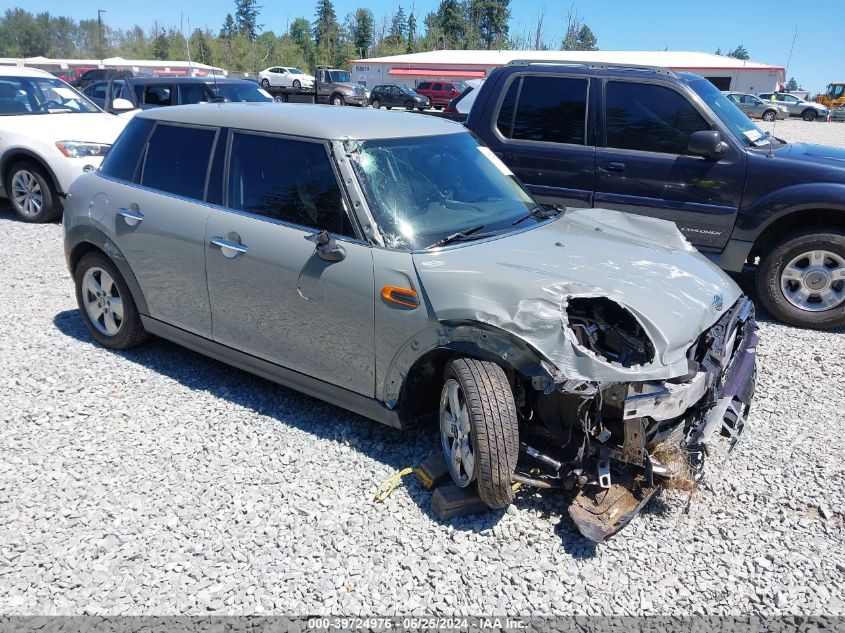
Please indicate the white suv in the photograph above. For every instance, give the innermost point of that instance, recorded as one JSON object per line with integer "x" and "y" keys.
{"x": 49, "y": 135}
{"x": 285, "y": 77}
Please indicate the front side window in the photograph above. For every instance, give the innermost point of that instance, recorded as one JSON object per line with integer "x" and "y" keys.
{"x": 177, "y": 160}
{"x": 194, "y": 93}
{"x": 157, "y": 95}
{"x": 549, "y": 109}
{"x": 340, "y": 77}
{"x": 37, "y": 95}
{"x": 241, "y": 92}
{"x": 423, "y": 189}
{"x": 729, "y": 114}
{"x": 123, "y": 158}
{"x": 287, "y": 180}
{"x": 650, "y": 118}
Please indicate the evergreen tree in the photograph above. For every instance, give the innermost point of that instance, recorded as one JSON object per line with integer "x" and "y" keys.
{"x": 361, "y": 30}
{"x": 398, "y": 26}
{"x": 412, "y": 33}
{"x": 451, "y": 23}
{"x": 246, "y": 18}
{"x": 227, "y": 31}
{"x": 739, "y": 53}
{"x": 161, "y": 45}
{"x": 491, "y": 18}
{"x": 792, "y": 85}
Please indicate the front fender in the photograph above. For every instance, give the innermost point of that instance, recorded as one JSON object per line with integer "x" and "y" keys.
{"x": 467, "y": 338}
{"x": 773, "y": 206}
{"x": 83, "y": 236}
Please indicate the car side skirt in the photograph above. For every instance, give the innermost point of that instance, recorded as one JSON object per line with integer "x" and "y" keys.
{"x": 362, "y": 405}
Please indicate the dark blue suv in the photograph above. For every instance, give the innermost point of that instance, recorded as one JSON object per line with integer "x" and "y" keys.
{"x": 655, "y": 142}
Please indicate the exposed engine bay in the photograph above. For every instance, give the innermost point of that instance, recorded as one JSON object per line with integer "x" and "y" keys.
{"x": 617, "y": 444}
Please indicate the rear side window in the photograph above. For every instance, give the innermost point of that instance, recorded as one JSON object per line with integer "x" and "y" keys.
{"x": 650, "y": 118}
{"x": 425, "y": 85}
{"x": 177, "y": 160}
{"x": 123, "y": 158}
{"x": 549, "y": 109}
{"x": 158, "y": 95}
{"x": 287, "y": 180}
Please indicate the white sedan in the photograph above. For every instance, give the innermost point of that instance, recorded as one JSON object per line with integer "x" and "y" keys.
{"x": 285, "y": 77}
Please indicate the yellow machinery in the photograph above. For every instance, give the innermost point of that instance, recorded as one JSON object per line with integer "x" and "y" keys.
{"x": 834, "y": 96}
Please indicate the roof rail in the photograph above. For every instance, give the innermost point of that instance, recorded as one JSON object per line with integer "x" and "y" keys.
{"x": 661, "y": 70}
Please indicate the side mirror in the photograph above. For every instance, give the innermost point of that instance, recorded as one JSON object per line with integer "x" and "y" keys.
{"x": 122, "y": 105}
{"x": 707, "y": 143}
{"x": 327, "y": 248}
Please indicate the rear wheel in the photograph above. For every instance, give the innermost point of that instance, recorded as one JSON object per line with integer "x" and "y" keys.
{"x": 107, "y": 307}
{"x": 376, "y": 104}
{"x": 479, "y": 430}
{"x": 265, "y": 83}
{"x": 809, "y": 114}
{"x": 32, "y": 193}
{"x": 801, "y": 281}
{"x": 770, "y": 115}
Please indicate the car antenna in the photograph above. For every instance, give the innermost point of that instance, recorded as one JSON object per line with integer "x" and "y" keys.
{"x": 785, "y": 74}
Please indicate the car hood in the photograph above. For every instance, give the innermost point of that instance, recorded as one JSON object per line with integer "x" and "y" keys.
{"x": 521, "y": 283}
{"x": 93, "y": 127}
{"x": 822, "y": 154}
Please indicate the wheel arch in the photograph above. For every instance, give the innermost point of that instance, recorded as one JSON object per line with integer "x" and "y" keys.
{"x": 85, "y": 239}
{"x": 16, "y": 154}
{"x": 801, "y": 219}
{"x": 413, "y": 381}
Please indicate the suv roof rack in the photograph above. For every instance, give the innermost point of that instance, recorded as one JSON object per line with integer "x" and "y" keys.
{"x": 661, "y": 70}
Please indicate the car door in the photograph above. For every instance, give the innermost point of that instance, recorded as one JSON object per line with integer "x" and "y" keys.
{"x": 540, "y": 132}
{"x": 394, "y": 96}
{"x": 645, "y": 167}
{"x": 792, "y": 103}
{"x": 272, "y": 295}
{"x": 159, "y": 222}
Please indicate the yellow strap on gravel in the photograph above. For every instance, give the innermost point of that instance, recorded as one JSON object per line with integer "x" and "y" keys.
{"x": 386, "y": 488}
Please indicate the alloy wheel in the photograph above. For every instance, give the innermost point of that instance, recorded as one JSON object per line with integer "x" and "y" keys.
{"x": 102, "y": 301}
{"x": 814, "y": 281}
{"x": 27, "y": 194}
{"x": 455, "y": 433}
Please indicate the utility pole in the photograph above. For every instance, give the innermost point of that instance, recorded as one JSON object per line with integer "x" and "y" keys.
{"x": 100, "y": 13}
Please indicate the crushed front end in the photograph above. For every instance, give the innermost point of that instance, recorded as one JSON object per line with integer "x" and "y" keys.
{"x": 618, "y": 443}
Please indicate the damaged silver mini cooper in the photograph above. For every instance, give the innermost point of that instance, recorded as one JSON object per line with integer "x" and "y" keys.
{"x": 391, "y": 265}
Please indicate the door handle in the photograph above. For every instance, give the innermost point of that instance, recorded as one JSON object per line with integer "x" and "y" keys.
{"x": 614, "y": 166}
{"x": 132, "y": 218}
{"x": 229, "y": 249}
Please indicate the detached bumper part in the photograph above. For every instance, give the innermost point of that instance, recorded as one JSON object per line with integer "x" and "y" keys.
{"x": 717, "y": 398}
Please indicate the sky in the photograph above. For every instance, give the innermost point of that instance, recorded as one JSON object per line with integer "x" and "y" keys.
{"x": 766, "y": 29}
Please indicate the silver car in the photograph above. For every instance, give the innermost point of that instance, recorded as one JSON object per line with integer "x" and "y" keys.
{"x": 807, "y": 110}
{"x": 391, "y": 265}
{"x": 755, "y": 107}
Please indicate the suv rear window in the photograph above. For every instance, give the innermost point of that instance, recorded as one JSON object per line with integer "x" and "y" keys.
{"x": 649, "y": 118}
{"x": 287, "y": 180}
{"x": 549, "y": 109}
{"x": 122, "y": 160}
{"x": 177, "y": 160}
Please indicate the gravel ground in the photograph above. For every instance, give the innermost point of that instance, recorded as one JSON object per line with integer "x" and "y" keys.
{"x": 160, "y": 482}
{"x": 794, "y": 129}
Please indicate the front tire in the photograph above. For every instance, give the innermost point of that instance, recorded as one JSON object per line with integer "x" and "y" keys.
{"x": 297, "y": 84}
{"x": 479, "y": 429}
{"x": 769, "y": 115}
{"x": 32, "y": 193}
{"x": 106, "y": 305}
{"x": 409, "y": 106}
{"x": 337, "y": 100}
{"x": 801, "y": 281}
{"x": 809, "y": 114}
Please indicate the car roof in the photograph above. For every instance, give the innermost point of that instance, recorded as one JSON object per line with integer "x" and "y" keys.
{"x": 185, "y": 80}
{"x": 312, "y": 121}
{"x": 23, "y": 71}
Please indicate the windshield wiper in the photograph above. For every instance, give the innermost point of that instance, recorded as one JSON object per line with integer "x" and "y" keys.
{"x": 456, "y": 237}
{"x": 540, "y": 213}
